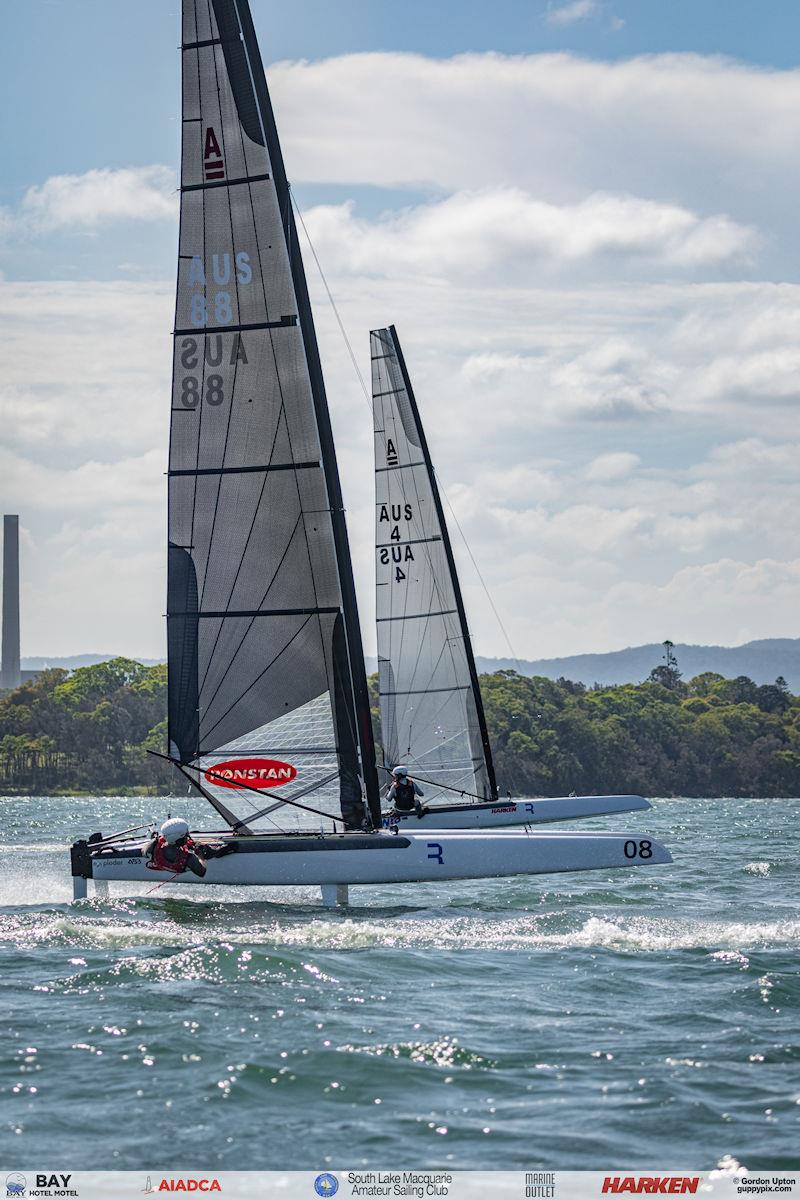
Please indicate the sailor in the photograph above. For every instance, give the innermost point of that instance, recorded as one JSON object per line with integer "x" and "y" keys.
{"x": 173, "y": 850}
{"x": 404, "y": 793}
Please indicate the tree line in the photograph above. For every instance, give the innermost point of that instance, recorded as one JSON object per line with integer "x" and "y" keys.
{"x": 90, "y": 730}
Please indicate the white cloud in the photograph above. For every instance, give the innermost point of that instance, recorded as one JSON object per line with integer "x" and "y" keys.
{"x": 719, "y": 135}
{"x": 613, "y": 465}
{"x": 506, "y": 229}
{"x": 86, "y": 367}
{"x": 568, "y": 14}
{"x": 66, "y": 202}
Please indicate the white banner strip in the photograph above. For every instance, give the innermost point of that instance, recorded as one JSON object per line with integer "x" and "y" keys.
{"x": 729, "y": 1183}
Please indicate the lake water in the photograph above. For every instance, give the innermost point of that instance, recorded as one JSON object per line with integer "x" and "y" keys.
{"x": 640, "y": 1018}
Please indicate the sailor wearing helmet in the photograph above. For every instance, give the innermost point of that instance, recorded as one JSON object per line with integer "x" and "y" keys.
{"x": 404, "y": 793}
{"x": 173, "y": 850}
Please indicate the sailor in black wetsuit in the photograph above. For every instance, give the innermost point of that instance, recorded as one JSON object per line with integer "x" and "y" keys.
{"x": 404, "y": 793}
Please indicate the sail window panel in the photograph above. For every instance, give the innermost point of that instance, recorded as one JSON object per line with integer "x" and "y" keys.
{"x": 255, "y": 670}
{"x": 437, "y": 742}
{"x": 304, "y": 740}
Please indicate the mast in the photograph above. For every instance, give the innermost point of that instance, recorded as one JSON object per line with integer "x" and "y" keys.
{"x": 346, "y": 580}
{"x": 432, "y": 654}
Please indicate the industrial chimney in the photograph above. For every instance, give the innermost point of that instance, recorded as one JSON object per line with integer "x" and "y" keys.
{"x": 9, "y": 668}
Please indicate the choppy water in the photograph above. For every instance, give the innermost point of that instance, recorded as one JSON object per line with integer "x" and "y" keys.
{"x": 641, "y": 1018}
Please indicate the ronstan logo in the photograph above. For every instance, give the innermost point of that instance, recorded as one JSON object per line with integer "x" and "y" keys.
{"x": 651, "y": 1185}
{"x": 251, "y": 773}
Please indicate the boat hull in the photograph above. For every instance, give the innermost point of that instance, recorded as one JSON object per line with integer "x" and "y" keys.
{"x": 394, "y": 858}
{"x": 495, "y": 815}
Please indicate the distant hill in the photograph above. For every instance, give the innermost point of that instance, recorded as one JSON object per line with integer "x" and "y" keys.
{"x": 72, "y": 662}
{"x": 761, "y": 661}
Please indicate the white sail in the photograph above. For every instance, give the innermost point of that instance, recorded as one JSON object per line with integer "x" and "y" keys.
{"x": 431, "y": 711}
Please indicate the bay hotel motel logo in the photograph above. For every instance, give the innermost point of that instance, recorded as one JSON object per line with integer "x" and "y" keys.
{"x": 45, "y": 1186}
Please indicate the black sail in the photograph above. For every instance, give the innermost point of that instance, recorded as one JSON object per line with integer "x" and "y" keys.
{"x": 432, "y": 715}
{"x": 266, "y": 672}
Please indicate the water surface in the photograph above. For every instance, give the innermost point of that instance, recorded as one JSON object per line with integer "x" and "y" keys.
{"x": 637, "y": 1018}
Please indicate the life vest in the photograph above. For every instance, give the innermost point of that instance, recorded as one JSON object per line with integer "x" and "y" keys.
{"x": 158, "y": 862}
{"x": 405, "y": 797}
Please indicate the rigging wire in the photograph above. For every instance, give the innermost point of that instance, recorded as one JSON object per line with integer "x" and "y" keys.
{"x": 368, "y": 400}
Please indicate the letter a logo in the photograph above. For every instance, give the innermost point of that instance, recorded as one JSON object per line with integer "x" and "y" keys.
{"x": 213, "y": 162}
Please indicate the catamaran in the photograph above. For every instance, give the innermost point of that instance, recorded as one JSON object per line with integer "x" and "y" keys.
{"x": 269, "y": 716}
{"x": 432, "y": 716}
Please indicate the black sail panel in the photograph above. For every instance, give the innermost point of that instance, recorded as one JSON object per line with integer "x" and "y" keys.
{"x": 259, "y": 639}
{"x": 431, "y": 710}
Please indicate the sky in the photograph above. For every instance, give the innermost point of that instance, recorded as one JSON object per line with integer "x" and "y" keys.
{"x": 579, "y": 214}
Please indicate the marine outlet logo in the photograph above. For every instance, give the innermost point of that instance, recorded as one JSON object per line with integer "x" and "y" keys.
{"x": 260, "y": 773}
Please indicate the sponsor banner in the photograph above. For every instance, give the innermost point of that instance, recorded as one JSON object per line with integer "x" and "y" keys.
{"x": 728, "y": 1183}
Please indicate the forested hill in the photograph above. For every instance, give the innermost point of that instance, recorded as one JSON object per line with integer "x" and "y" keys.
{"x": 710, "y": 736}
{"x": 761, "y": 661}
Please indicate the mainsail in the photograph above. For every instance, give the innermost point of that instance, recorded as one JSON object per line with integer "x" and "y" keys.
{"x": 431, "y": 711}
{"x": 267, "y": 692}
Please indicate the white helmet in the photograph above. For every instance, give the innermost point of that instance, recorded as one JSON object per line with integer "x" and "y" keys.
{"x": 174, "y": 829}
{"x": 400, "y": 771}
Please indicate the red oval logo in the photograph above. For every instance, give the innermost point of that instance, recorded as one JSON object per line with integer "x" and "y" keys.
{"x": 251, "y": 773}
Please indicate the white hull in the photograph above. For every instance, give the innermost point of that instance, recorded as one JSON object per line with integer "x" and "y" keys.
{"x": 391, "y": 858}
{"x": 516, "y": 812}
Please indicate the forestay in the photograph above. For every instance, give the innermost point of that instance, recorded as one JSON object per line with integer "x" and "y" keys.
{"x": 431, "y": 712}
{"x": 266, "y": 675}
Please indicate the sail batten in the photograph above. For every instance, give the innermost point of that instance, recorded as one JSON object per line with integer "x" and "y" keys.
{"x": 431, "y": 710}
{"x": 265, "y": 661}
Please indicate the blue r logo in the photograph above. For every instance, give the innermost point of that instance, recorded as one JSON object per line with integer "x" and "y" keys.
{"x": 436, "y": 852}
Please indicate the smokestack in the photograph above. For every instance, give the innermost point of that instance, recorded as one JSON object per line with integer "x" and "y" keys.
{"x": 9, "y": 671}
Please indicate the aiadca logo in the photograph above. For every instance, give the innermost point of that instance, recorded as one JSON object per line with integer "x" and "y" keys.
{"x": 15, "y": 1184}
{"x": 182, "y": 1185}
{"x": 326, "y": 1184}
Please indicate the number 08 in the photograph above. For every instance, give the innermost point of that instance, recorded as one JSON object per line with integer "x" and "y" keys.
{"x": 643, "y": 849}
